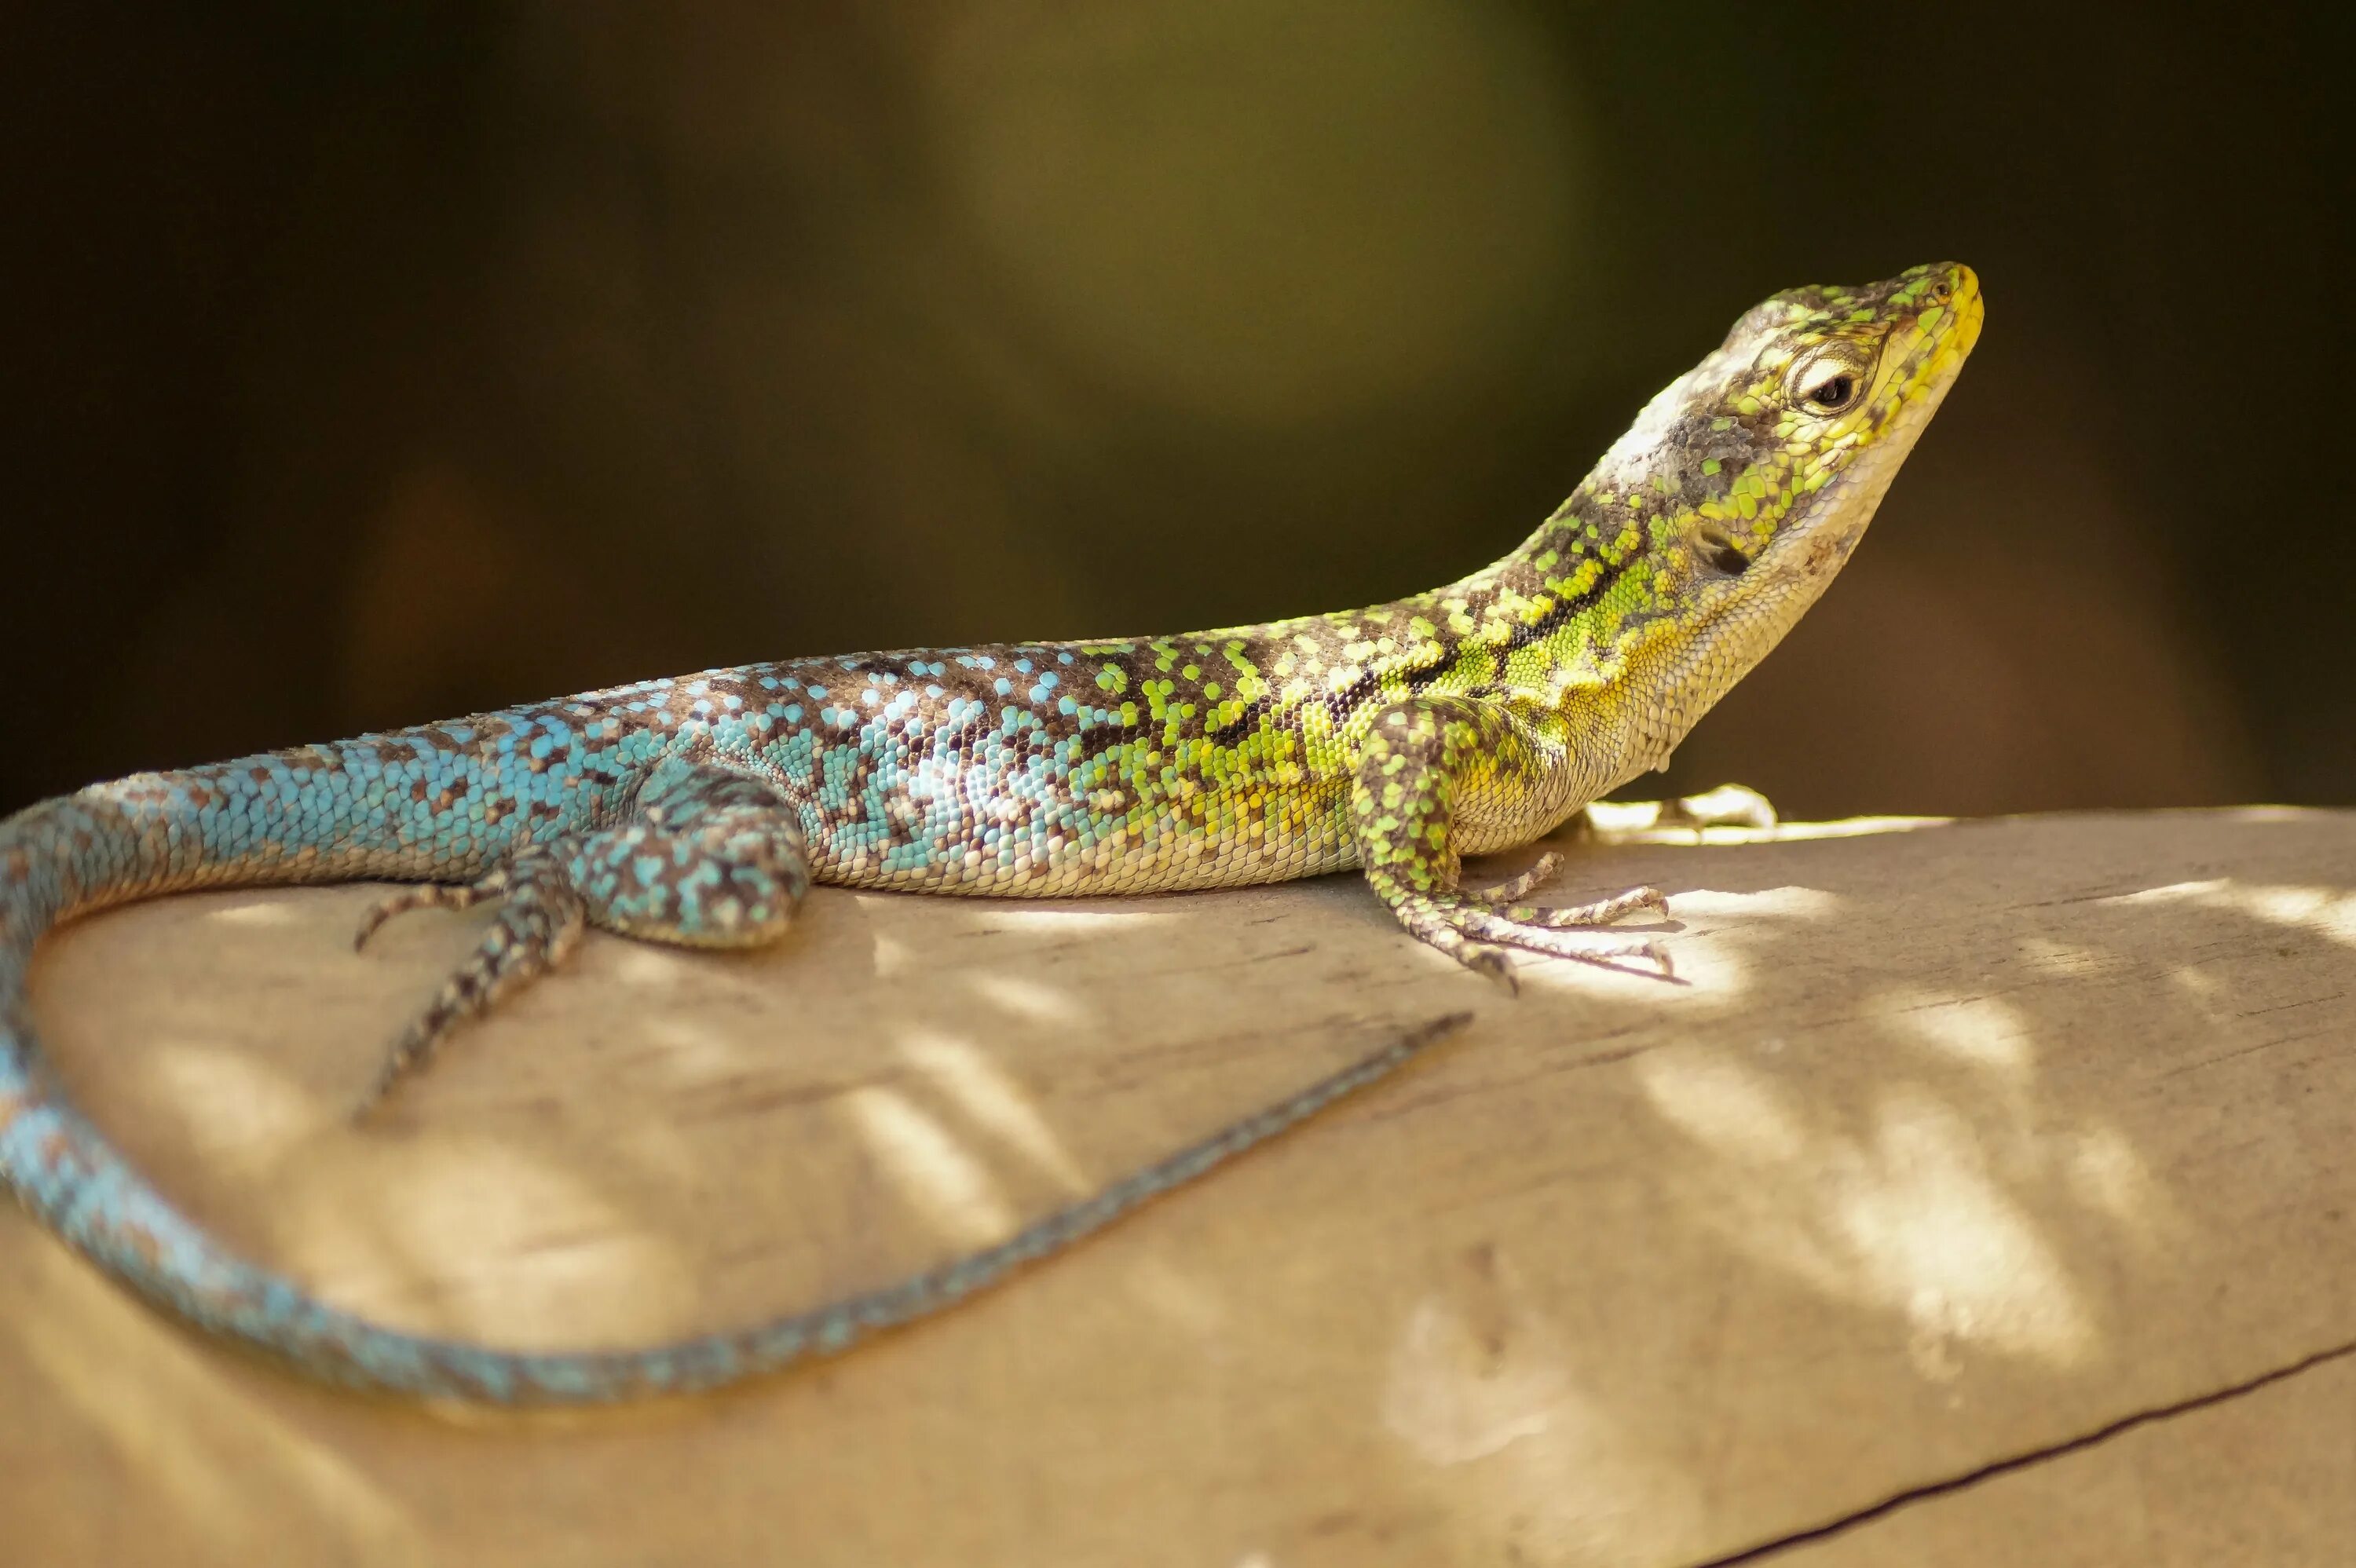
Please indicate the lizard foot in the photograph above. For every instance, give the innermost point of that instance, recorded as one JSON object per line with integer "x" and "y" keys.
{"x": 1479, "y": 937}
{"x": 709, "y": 855}
{"x": 536, "y": 928}
{"x": 1603, "y": 912}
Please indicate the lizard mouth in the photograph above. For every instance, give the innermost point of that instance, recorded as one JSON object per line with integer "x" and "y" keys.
{"x": 1922, "y": 351}
{"x": 1942, "y": 333}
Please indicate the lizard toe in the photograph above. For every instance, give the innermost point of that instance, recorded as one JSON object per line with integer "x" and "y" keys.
{"x": 428, "y": 895}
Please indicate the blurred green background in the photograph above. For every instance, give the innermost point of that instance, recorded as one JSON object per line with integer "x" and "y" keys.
{"x": 367, "y": 365}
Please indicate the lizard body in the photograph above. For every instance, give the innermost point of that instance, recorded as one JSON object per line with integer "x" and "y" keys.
{"x": 699, "y": 810}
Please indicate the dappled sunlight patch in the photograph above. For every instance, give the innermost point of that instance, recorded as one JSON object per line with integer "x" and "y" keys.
{"x": 990, "y": 1098}
{"x": 268, "y": 910}
{"x": 1178, "y": 1298}
{"x": 1978, "y": 1031}
{"x": 1789, "y": 903}
{"x": 240, "y": 1117}
{"x": 2325, "y": 911}
{"x": 1720, "y": 1103}
{"x": 647, "y": 965}
{"x": 1633, "y": 822}
{"x": 1909, "y": 1219}
{"x": 1931, "y": 1231}
{"x": 660, "y": 1145}
{"x": 1704, "y": 970}
{"x": 1067, "y": 921}
{"x": 2197, "y": 982}
{"x": 944, "y": 1183}
{"x": 2175, "y": 892}
{"x": 2329, "y": 913}
{"x": 1027, "y": 999}
{"x": 2047, "y": 956}
{"x": 1938, "y": 1329}
{"x": 1849, "y": 827}
{"x": 2279, "y": 814}
{"x": 1700, "y": 970}
{"x": 2106, "y": 1175}
{"x": 570, "y": 1267}
{"x": 156, "y": 1400}
{"x": 1718, "y": 968}
{"x": 693, "y": 1051}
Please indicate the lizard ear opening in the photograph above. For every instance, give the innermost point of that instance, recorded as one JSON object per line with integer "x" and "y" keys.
{"x": 1716, "y": 550}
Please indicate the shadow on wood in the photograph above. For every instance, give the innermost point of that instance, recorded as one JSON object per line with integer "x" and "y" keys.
{"x": 1956, "y": 1142}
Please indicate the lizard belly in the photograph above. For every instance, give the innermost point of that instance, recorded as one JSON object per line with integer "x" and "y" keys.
{"x": 932, "y": 835}
{"x": 1495, "y": 814}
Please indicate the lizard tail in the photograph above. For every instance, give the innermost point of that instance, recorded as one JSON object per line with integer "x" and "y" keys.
{"x": 84, "y": 852}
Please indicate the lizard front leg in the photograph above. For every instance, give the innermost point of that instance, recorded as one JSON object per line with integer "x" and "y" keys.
{"x": 1420, "y": 761}
{"x": 710, "y": 855}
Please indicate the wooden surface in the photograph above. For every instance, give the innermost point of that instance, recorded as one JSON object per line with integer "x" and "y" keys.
{"x": 1959, "y": 1144}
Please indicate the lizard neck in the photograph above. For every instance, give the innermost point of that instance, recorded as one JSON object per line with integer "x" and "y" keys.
{"x": 1585, "y": 621}
{"x": 1562, "y": 614}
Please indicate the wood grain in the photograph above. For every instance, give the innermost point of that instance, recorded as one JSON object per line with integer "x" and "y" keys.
{"x": 1956, "y": 1142}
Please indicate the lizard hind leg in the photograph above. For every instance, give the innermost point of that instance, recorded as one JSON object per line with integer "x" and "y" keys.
{"x": 539, "y": 923}
{"x": 1420, "y": 759}
{"x": 710, "y": 855}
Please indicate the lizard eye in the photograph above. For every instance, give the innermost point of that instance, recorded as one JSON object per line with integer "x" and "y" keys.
{"x": 1831, "y": 381}
{"x": 1834, "y": 393}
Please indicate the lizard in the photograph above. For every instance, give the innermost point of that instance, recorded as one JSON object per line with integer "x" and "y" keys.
{"x": 697, "y": 811}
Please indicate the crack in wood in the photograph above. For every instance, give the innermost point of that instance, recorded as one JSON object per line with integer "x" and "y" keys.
{"x": 1766, "y": 1550}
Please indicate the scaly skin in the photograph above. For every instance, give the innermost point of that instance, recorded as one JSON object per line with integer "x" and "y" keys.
{"x": 697, "y": 811}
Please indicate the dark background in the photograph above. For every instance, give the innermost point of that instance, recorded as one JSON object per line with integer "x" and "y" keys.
{"x": 367, "y": 365}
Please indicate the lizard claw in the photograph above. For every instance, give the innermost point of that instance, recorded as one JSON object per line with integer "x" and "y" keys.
{"x": 1492, "y": 962}
{"x": 1478, "y": 936}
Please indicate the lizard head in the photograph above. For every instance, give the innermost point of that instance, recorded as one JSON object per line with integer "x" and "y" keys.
{"x": 1790, "y": 434}
{"x": 1743, "y": 488}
